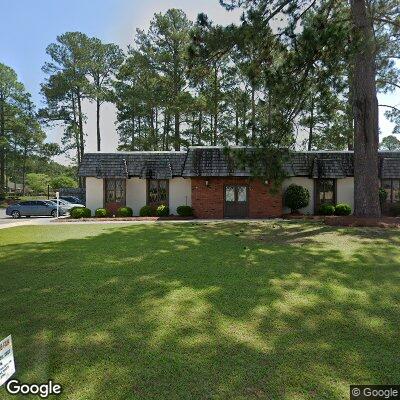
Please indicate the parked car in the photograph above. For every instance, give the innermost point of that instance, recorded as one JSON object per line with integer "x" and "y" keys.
{"x": 35, "y": 208}
{"x": 72, "y": 199}
{"x": 66, "y": 205}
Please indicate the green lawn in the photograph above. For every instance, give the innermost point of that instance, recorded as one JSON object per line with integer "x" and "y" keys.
{"x": 218, "y": 311}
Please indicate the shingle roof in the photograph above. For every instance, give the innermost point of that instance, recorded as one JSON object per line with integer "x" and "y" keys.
{"x": 390, "y": 167}
{"x": 215, "y": 161}
{"x": 211, "y": 161}
{"x": 156, "y": 165}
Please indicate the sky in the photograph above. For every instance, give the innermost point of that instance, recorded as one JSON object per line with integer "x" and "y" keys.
{"x": 29, "y": 26}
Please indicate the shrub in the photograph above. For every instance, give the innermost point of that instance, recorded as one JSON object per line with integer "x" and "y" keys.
{"x": 162, "y": 211}
{"x": 124, "y": 212}
{"x": 296, "y": 197}
{"x": 146, "y": 211}
{"x": 80, "y": 212}
{"x": 394, "y": 209}
{"x": 185, "y": 211}
{"x": 383, "y": 195}
{"x": 100, "y": 213}
{"x": 342, "y": 209}
{"x": 326, "y": 209}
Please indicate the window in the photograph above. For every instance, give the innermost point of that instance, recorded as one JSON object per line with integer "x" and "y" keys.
{"x": 325, "y": 191}
{"x": 115, "y": 191}
{"x": 157, "y": 192}
{"x": 392, "y": 188}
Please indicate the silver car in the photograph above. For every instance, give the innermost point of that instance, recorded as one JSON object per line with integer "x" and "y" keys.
{"x": 34, "y": 208}
{"x": 66, "y": 205}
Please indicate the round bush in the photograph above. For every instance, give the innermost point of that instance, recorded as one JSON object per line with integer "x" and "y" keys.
{"x": 124, "y": 212}
{"x": 162, "y": 211}
{"x": 296, "y": 197}
{"x": 146, "y": 211}
{"x": 326, "y": 209}
{"x": 342, "y": 209}
{"x": 80, "y": 212}
{"x": 185, "y": 211}
{"x": 100, "y": 213}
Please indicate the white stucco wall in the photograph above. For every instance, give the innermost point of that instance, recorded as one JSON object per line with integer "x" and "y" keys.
{"x": 94, "y": 193}
{"x": 136, "y": 194}
{"x": 308, "y": 184}
{"x": 345, "y": 191}
{"x": 180, "y": 193}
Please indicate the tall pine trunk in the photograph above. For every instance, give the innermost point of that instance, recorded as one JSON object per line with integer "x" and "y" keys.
{"x": 80, "y": 124}
{"x": 311, "y": 128}
{"x": 98, "y": 125}
{"x": 177, "y": 136}
{"x": 2, "y": 149}
{"x": 366, "y": 124}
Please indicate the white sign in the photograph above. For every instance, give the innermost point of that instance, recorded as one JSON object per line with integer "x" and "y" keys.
{"x": 7, "y": 366}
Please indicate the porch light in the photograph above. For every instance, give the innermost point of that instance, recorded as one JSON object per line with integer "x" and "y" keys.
{"x": 266, "y": 182}
{"x": 207, "y": 184}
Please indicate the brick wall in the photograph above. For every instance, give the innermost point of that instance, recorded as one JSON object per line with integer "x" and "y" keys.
{"x": 208, "y": 202}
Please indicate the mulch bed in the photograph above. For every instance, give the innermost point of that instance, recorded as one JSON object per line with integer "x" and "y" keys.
{"x": 382, "y": 222}
{"x": 122, "y": 219}
{"x": 350, "y": 220}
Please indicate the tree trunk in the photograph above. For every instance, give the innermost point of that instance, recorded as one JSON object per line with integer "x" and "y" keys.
{"x": 253, "y": 114}
{"x": 23, "y": 173}
{"x": 133, "y": 133}
{"x": 98, "y": 124}
{"x": 76, "y": 133}
{"x": 311, "y": 131}
{"x": 2, "y": 149}
{"x": 350, "y": 112}
{"x": 366, "y": 124}
{"x": 177, "y": 138}
{"x": 80, "y": 124}
{"x": 200, "y": 127}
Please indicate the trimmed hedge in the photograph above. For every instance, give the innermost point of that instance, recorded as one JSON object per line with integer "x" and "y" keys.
{"x": 80, "y": 212}
{"x": 162, "y": 210}
{"x": 342, "y": 209}
{"x": 100, "y": 213}
{"x": 147, "y": 211}
{"x": 124, "y": 212}
{"x": 296, "y": 197}
{"x": 326, "y": 209}
{"x": 185, "y": 211}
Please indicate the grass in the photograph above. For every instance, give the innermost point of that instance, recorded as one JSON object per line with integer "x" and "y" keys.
{"x": 271, "y": 310}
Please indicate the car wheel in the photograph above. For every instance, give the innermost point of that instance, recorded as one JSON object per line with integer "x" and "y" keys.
{"x": 54, "y": 213}
{"x": 16, "y": 214}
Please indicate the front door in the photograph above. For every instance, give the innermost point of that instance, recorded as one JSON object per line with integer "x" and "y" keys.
{"x": 114, "y": 195}
{"x": 236, "y": 201}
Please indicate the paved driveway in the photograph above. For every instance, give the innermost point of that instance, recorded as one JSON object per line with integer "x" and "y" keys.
{"x": 6, "y": 221}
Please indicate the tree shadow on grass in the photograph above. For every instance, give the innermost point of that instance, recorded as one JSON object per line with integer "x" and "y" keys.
{"x": 203, "y": 312}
